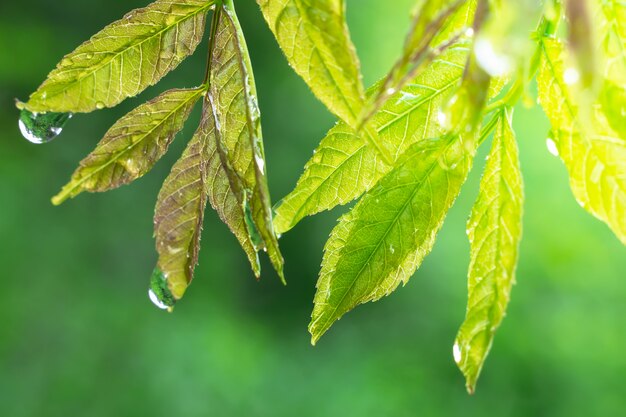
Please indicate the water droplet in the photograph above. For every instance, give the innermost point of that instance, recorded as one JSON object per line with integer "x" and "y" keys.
{"x": 469, "y": 32}
{"x": 159, "y": 292}
{"x": 99, "y": 105}
{"x": 260, "y": 162}
{"x": 42, "y": 127}
{"x": 456, "y": 353}
{"x": 552, "y": 148}
{"x": 89, "y": 55}
{"x": 391, "y": 91}
{"x": 392, "y": 249}
{"x": 496, "y": 63}
{"x": 571, "y": 76}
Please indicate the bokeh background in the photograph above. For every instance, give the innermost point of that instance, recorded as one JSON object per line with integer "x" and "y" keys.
{"x": 78, "y": 336}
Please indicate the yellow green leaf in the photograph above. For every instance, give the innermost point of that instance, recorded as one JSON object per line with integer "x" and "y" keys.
{"x": 494, "y": 230}
{"x": 314, "y": 37}
{"x": 594, "y": 154}
{"x": 124, "y": 58}
{"x": 133, "y": 144}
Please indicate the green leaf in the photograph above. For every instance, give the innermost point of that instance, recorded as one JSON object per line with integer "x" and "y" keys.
{"x": 233, "y": 104}
{"x": 385, "y": 237}
{"x": 179, "y": 213}
{"x": 133, "y": 144}
{"x": 494, "y": 230}
{"x": 345, "y": 165}
{"x": 594, "y": 154}
{"x": 314, "y": 36}
{"x": 124, "y": 58}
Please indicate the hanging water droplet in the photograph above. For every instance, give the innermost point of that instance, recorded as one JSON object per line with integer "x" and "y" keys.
{"x": 99, "y": 105}
{"x": 456, "y": 353}
{"x": 571, "y": 76}
{"x": 42, "y": 127}
{"x": 159, "y": 292}
{"x": 552, "y": 148}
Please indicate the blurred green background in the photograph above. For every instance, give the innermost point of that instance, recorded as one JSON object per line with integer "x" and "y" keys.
{"x": 78, "y": 336}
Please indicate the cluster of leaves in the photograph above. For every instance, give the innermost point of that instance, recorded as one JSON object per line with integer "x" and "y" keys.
{"x": 404, "y": 147}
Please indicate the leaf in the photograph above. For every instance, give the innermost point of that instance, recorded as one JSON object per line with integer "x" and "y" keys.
{"x": 429, "y": 24}
{"x": 133, "y": 144}
{"x": 124, "y": 58}
{"x": 179, "y": 214}
{"x": 494, "y": 230}
{"x": 233, "y": 104}
{"x": 595, "y": 155}
{"x": 314, "y": 37}
{"x": 385, "y": 237}
{"x": 344, "y": 165}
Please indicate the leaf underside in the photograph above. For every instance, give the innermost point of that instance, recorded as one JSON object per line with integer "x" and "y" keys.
{"x": 179, "y": 212}
{"x": 124, "y": 58}
{"x": 133, "y": 144}
{"x": 238, "y": 183}
{"x": 494, "y": 231}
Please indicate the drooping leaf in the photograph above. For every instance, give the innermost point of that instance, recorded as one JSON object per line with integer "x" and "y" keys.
{"x": 494, "y": 230}
{"x": 595, "y": 155}
{"x": 124, "y": 58}
{"x": 345, "y": 165}
{"x": 314, "y": 37}
{"x": 385, "y": 237}
{"x": 133, "y": 144}
{"x": 238, "y": 152}
{"x": 179, "y": 214}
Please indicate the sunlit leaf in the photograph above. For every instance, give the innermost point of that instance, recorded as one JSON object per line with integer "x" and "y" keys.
{"x": 179, "y": 213}
{"x": 238, "y": 152}
{"x": 344, "y": 165}
{"x": 124, "y": 58}
{"x": 133, "y": 144}
{"x": 594, "y": 155}
{"x": 314, "y": 37}
{"x": 385, "y": 237}
{"x": 494, "y": 230}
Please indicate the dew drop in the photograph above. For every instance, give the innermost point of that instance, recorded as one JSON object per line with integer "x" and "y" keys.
{"x": 159, "y": 292}
{"x": 65, "y": 62}
{"x": 99, "y": 105}
{"x": 42, "y": 127}
{"x": 89, "y": 55}
{"x": 392, "y": 249}
{"x": 552, "y": 148}
{"x": 571, "y": 76}
{"x": 456, "y": 352}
